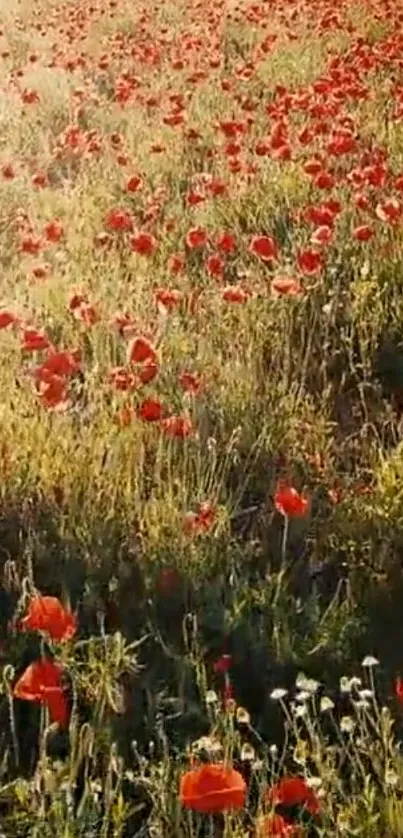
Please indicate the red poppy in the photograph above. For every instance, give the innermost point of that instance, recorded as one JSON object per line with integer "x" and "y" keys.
{"x": 168, "y": 298}
{"x": 235, "y": 294}
{"x": 143, "y": 243}
{"x": 322, "y": 235}
{"x": 196, "y": 237}
{"x": 226, "y": 242}
{"x": 265, "y": 247}
{"x": 134, "y": 183}
{"x": 399, "y": 689}
{"x": 285, "y": 286}
{"x": 201, "y": 521}
{"x": 294, "y": 791}
{"x": 223, "y": 664}
{"x": 151, "y": 410}
{"x": 7, "y": 318}
{"x": 190, "y": 382}
{"x": 289, "y": 502}
{"x": 140, "y": 350}
{"x": 61, "y": 363}
{"x": 119, "y": 220}
{"x": 46, "y": 613}
{"x": 215, "y": 266}
{"x": 52, "y": 391}
{"x": 53, "y": 231}
{"x": 275, "y": 826}
{"x": 309, "y": 261}
{"x": 178, "y": 427}
{"x": 34, "y": 341}
{"x": 122, "y": 379}
{"x": 148, "y": 372}
{"x": 212, "y": 788}
{"x": 42, "y": 682}
{"x": 363, "y": 233}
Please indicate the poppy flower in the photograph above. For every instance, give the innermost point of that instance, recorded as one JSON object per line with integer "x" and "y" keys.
{"x": 399, "y": 689}
{"x": 178, "y": 427}
{"x": 285, "y": 286}
{"x": 34, "y": 341}
{"x": 53, "y": 231}
{"x": 168, "y": 298}
{"x": 309, "y": 261}
{"x": 119, "y": 220}
{"x": 42, "y": 682}
{"x": 134, "y": 183}
{"x": 212, "y": 788}
{"x": 235, "y": 294}
{"x": 148, "y": 372}
{"x": 143, "y": 243}
{"x": 140, "y": 350}
{"x": 122, "y": 379}
{"x": 201, "y": 521}
{"x": 289, "y": 502}
{"x": 265, "y": 247}
{"x": 275, "y": 826}
{"x": 197, "y": 237}
{"x": 151, "y": 410}
{"x": 363, "y": 233}
{"x": 215, "y": 266}
{"x": 294, "y": 791}
{"x": 7, "y": 318}
{"x": 52, "y": 392}
{"x": 223, "y": 664}
{"x": 226, "y": 242}
{"x": 190, "y": 382}
{"x": 48, "y": 614}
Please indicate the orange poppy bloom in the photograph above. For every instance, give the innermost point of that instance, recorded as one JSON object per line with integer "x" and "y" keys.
{"x": 46, "y": 613}
{"x": 42, "y": 682}
{"x": 212, "y": 788}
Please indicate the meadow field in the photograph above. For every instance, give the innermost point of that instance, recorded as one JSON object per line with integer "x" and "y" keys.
{"x": 201, "y": 416}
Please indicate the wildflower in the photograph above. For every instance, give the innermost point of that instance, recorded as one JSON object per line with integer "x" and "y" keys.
{"x": 143, "y": 243}
{"x": 285, "y": 286}
{"x": 278, "y": 694}
{"x": 42, "y": 682}
{"x": 177, "y": 427}
{"x": 309, "y": 261}
{"x": 265, "y": 247}
{"x": 399, "y": 689}
{"x": 140, "y": 350}
{"x": 212, "y": 788}
{"x": 151, "y": 410}
{"x": 47, "y": 614}
{"x": 289, "y": 502}
{"x": 369, "y": 661}
{"x": 196, "y": 237}
{"x": 294, "y": 791}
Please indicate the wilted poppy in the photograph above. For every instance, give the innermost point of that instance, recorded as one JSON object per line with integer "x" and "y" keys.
{"x": 289, "y": 502}
{"x": 294, "y": 791}
{"x": 212, "y": 788}
{"x": 42, "y": 682}
{"x": 48, "y": 614}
